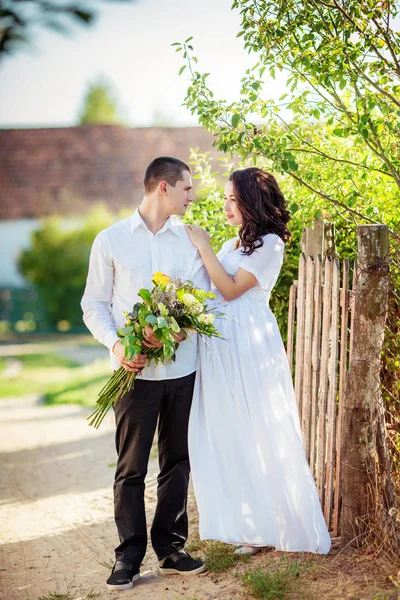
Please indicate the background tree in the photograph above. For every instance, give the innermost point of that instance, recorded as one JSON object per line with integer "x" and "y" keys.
{"x": 20, "y": 18}
{"x": 61, "y": 282}
{"x": 342, "y": 109}
{"x": 100, "y": 105}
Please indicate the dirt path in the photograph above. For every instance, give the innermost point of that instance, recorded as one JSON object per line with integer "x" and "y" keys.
{"x": 56, "y": 510}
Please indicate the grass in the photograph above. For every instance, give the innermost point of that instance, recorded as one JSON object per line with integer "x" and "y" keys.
{"x": 108, "y": 564}
{"x": 218, "y": 556}
{"x": 60, "y": 380}
{"x": 56, "y": 596}
{"x": 273, "y": 585}
{"x": 82, "y": 389}
{"x": 67, "y": 596}
{"x": 44, "y": 361}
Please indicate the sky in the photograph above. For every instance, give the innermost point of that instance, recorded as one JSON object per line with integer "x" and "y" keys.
{"x": 130, "y": 46}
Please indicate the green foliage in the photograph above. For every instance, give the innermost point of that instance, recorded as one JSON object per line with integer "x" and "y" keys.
{"x": 274, "y": 585}
{"x": 333, "y": 136}
{"x": 56, "y": 596}
{"x": 220, "y": 557}
{"x": 342, "y": 109}
{"x": 100, "y": 105}
{"x": 58, "y": 379}
{"x": 57, "y": 261}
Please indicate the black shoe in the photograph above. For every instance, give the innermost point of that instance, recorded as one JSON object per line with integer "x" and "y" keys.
{"x": 122, "y": 576}
{"x": 181, "y": 562}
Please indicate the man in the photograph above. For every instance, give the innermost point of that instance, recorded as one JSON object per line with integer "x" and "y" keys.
{"x": 123, "y": 260}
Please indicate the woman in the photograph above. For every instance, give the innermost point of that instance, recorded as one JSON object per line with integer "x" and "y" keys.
{"x": 250, "y": 474}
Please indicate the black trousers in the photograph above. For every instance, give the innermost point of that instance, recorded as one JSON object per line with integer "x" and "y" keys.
{"x": 136, "y": 416}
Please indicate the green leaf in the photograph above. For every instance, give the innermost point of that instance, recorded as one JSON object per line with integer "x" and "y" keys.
{"x": 128, "y": 340}
{"x": 174, "y": 325}
{"x": 235, "y": 120}
{"x": 145, "y": 294}
{"x": 189, "y": 39}
{"x": 159, "y": 334}
{"x": 151, "y": 319}
{"x": 161, "y": 322}
{"x": 182, "y": 69}
{"x": 125, "y": 331}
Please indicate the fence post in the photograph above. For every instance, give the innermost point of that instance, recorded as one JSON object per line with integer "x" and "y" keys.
{"x": 361, "y": 398}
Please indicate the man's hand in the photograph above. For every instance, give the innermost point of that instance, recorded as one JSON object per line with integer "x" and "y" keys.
{"x": 135, "y": 365}
{"x": 151, "y": 340}
{"x": 179, "y": 337}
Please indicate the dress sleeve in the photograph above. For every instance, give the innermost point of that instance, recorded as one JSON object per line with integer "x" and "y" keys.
{"x": 265, "y": 262}
{"x": 226, "y": 246}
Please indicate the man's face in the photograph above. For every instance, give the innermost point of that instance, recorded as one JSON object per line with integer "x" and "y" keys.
{"x": 179, "y": 197}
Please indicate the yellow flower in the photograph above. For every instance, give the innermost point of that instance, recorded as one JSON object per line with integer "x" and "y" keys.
{"x": 161, "y": 279}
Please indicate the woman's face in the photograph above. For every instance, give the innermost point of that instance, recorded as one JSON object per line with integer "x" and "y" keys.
{"x": 232, "y": 212}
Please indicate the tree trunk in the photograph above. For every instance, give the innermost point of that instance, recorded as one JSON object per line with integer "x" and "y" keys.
{"x": 362, "y": 396}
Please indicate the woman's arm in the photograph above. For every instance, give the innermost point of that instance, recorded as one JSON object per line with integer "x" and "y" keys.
{"x": 229, "y": 287}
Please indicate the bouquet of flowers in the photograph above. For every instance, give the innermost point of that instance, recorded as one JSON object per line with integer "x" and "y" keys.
{"x": 170, "y": 307}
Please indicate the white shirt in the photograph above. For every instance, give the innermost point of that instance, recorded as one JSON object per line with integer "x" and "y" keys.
{"x": 123, "y": 259}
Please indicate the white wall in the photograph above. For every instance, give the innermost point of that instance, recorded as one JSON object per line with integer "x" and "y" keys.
{"x": 14, "y": 237}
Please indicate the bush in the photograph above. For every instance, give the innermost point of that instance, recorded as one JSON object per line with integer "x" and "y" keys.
{"x": 57, "y": 264}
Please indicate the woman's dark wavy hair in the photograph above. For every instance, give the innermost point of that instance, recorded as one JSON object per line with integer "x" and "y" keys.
{"x": 262, "y": 205}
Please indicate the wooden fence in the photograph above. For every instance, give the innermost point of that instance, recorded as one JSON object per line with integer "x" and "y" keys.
{"x": 320, "y": 350}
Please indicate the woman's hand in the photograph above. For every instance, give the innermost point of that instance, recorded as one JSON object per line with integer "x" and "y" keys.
{"x": 198, "y": 236}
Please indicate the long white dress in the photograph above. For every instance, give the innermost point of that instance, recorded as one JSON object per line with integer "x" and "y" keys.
{"x": 251, "y": 478}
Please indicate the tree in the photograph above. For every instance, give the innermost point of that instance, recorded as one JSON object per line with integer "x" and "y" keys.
{"x": 100, "y": 105}
{"x": 61, "y": 286}
{"x": 19, "y": 19}
{"x": 343, "y": 66}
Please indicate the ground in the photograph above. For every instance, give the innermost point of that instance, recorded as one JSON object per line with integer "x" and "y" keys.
{"x": 57, "y": 530}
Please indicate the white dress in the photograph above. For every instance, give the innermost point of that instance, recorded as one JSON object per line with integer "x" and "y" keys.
{"x": 251, "y": 478}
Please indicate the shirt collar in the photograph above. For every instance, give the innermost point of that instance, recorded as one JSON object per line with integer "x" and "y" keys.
{"x": 137, "y": 221}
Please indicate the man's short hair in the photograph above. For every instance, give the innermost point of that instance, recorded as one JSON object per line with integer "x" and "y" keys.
{"x": 164, "y": 168}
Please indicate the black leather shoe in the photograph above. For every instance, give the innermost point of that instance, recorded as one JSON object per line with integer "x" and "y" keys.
{"x": 122, "y": 576}
{"x": 180, "y": 562}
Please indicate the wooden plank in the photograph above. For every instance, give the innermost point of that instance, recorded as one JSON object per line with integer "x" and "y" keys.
{"x": 307, "y": 355}
{"x": 351, "y": 308}
{"x": 316, "y": 359}
{"x": 344, "y": 324}
{"x": 323, "y": 383}
{"x": 331, "y": 410}
{"x": 298, "y": 379}
{"x": 291, "y": 319}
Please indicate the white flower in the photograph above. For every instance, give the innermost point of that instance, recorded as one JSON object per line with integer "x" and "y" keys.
{"x": 189, "y": 300}
{"x": 207, "y": 318}
{"x": 171, "y": 288}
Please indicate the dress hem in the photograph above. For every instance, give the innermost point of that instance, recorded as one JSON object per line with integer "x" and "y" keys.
{"x": 264, "y": 545}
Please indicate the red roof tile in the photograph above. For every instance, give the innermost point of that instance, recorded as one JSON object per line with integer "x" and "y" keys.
{"x": 58, "y": 171}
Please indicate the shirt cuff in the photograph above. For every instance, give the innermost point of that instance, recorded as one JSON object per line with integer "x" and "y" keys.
{"x": 189, "y": 332}
{"x": 110, "y": 338}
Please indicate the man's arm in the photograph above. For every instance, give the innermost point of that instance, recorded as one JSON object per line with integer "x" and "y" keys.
{"x": 96, "y": 301}
{"x": 96, "y": 305}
